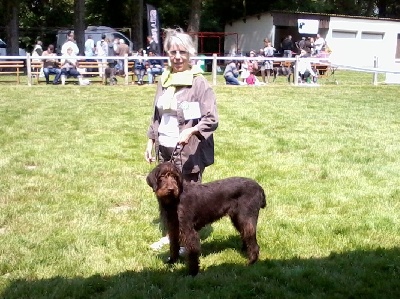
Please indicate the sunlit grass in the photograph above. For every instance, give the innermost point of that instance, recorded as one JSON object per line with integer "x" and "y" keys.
{"x": 77, "y": 218}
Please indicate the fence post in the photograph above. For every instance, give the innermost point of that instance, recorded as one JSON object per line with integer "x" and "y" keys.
{"x": 375, "y": 76}
{"x": 126, "y": 70}
{"x": 296, "y": 72}
{"x": 214, "y": 69}
{"x": 29, "y": 69}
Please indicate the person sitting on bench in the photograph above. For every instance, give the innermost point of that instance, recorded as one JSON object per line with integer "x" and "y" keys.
{"x": 69, "y": 64}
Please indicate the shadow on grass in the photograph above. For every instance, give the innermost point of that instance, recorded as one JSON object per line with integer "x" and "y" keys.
{"x": 355, "y": 274}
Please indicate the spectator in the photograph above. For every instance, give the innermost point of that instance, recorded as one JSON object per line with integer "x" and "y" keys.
{"x": 152, "y": 45}
{"x": 69, "y": 64}
{"x": 154, "y": 67}
{"x": 89, "y": 47}
{"x": 231, "y": 74}
{"x": 287, "y": 46}
{"x": 50, "y": 66}
{"x": 319, "y": 44}
{"x": 70, "y": 43}
{"x": 122, "y": 50}
{"x": 301, "y": 44}
{"x": 102, "y": 52}
{"x": 37, "y": 50}
{"x": 251, "y": 66}
{"x": 261, "y": 64}
{"x": 306, "y": 72}
{"x": 309, "y": 46}
{"x": 89, "y": 50}
{"x": 269, "y": 51}
{"x": 140, "y": 67}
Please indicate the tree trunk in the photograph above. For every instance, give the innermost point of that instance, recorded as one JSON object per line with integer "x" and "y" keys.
{"x": 79, "y": 25}
{"x": 194, "y": 20}
{"x": 137, "y": 23}
{"x": 12, "y": 28}
{"x": 382, "y": 8}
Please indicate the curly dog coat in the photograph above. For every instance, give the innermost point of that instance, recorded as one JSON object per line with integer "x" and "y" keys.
{"x": 187, "y": 207}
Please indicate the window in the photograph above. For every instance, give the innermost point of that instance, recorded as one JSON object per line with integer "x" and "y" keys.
{"x": 344, "y": 34}
{"x": 372, "y": 35}
{"x": 398, "y": 47}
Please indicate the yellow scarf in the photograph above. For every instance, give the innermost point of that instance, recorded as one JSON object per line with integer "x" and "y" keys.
{"x": 171, "y": 81}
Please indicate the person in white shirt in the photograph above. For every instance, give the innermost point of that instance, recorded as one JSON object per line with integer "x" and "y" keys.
{"x": 69, "y": 65}
{"x": 306, "y": 72}
{"x": 70, "y": 43}
{"x": 89, "y": 46}
{"x": 102, "y": 51}
{"x": 319, "y": 44}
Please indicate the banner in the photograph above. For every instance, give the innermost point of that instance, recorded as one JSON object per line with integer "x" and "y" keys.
{"x": 153, "y": 25}
{"x": 308, "y": 26}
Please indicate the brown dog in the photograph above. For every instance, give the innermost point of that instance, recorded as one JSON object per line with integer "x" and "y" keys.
{"x": 187, "y": 207}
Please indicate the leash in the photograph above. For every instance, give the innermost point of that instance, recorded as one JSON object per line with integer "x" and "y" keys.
{"x": 175, "y": 152}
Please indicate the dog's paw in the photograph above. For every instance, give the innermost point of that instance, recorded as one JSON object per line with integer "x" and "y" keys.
{"x": 170, "y": 260}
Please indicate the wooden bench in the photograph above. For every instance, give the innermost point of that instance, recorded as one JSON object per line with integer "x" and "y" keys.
{"x": 284, "y": 68}
{"x": 131, "y": 72}
{"x": 85, "y": 68}
{"x": 36, "y": 67}
{"x": 13, "y": 67}
{"x": 91, "y": 68}
{"x": 322, "y": 69}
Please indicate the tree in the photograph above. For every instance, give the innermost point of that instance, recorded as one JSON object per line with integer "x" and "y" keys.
{"x": 194, "y": 19}
{"x": 12, "y": 28}
{"x": 79, "y": 24}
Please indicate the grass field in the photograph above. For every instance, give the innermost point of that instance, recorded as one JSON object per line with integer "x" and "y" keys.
{"x": 77, "y": 218}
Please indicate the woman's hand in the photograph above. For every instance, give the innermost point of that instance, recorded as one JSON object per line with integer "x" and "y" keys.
{"x": 186, "y": 134}
{"x": 148, "y": 154}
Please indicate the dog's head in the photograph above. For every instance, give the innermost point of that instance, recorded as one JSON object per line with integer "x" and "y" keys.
{"x": 166, "y": 181}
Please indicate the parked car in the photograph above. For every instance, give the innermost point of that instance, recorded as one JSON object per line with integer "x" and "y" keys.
{"x": 3, "y": 47}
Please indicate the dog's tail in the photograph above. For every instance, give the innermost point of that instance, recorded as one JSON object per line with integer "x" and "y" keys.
{"x": 263, "y": 198}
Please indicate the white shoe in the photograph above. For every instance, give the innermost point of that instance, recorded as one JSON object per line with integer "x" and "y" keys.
{"x": 160, "y": 243}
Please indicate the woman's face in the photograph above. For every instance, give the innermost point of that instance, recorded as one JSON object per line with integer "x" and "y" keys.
{"x": 179, "y": 57}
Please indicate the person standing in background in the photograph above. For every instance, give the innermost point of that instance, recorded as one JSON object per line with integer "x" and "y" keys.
{"x": 152, "y": 46}
{"x": 70, "y": 43}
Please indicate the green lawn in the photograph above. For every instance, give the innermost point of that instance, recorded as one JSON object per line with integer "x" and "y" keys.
{"x": 77, "y": 217}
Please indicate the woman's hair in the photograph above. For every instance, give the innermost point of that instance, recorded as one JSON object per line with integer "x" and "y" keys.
{"x": 178, "y": 37}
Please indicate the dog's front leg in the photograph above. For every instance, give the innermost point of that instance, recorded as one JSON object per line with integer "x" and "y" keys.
{"x": 173, "y": 233}
{"x": 191, "y": 241}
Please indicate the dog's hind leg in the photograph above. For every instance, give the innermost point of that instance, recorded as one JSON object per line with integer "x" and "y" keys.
{"x": 247, "y": 227}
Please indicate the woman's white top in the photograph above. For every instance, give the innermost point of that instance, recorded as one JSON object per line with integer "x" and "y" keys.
{"x": 168, "y": 129}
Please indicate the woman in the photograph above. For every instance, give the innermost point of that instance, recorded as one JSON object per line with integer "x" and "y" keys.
{"x": 185, "y": 114}
{"x": 269, "y": 51}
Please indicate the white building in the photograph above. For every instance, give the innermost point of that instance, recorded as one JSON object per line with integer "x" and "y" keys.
{"x": 354, "y": 40}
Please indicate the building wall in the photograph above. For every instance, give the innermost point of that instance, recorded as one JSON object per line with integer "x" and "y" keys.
{"x": 354, "y": 41}
{"x": 251, "y": 34}
{"x": 357, "y": 41}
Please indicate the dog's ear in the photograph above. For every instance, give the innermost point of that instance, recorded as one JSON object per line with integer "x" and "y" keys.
{"x": 152, "y": 179}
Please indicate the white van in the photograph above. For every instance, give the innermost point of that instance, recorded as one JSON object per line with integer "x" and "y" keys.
{"x": 96, "y": 32}
{"x": 3, "y": 47}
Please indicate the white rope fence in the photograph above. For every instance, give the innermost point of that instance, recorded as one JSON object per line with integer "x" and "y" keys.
{"x": 215, "y": 62}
